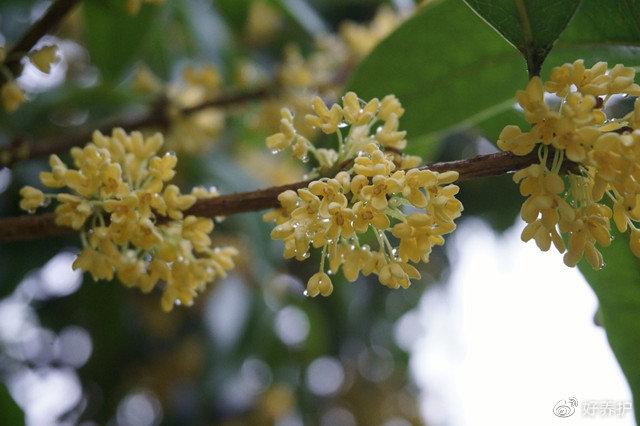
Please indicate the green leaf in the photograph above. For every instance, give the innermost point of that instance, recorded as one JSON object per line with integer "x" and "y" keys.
{"x": 617, "y": 287}
{"x": 114, "y": 37}
{"x": 600, "y": 31}
{"x": 11, "y": 412}
{"x": 532, "y": 26}
{"x": 446, "y": 66}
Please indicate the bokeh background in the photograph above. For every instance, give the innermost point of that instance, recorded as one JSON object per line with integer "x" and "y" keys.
{"x": 494, "y": 333}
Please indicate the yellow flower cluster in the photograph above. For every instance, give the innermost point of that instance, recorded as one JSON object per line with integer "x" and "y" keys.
{"x": 605, "y": 156}
{"x": 131, "y": 219}
{"x": 11, "y": 95}
{"x": 192, "y": 132}
{"x": 338, "y": 214}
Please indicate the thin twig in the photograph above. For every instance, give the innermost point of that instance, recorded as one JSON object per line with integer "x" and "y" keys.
{"x": 47, "y": 23}
{"x": 21, "y": 149}
{"x": 40, "y": 226}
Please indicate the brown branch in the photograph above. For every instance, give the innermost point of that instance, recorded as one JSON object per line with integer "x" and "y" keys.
{"x": 21, "y": 149}
{"x": 40, "y": 226}
{"x": 47, "y": 23}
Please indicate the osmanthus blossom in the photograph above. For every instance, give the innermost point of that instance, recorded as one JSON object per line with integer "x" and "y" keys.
{"x": 605, "y": 152}
{"x": 336, "y": 213}
{"x": 131, "y": 219}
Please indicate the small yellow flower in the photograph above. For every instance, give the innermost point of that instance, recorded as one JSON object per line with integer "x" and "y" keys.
{"x": 380, "y": 188}
{"x": 319, "y": 283}
{"x": 32, "y": 198}
{"x": 325, "y": 119}
{"x": 44, "y": 57}
{"x": 163, "y": 167}
{"x": 11, "y": 96}
{"x": 176, "y": 202}
{"x": 356, "y": 114}
{"x": 207, "y": 77}
{"x": 390, "y": 105}
{"x": 388, "y": 135}
{"x": 285, "y": 137}
{"x": 145, "y": 82}
{"x": 366, "y": 214}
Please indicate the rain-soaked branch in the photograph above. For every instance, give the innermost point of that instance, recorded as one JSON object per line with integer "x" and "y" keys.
{"x": 29, "y": 227}
{"x": 47, "y": 23}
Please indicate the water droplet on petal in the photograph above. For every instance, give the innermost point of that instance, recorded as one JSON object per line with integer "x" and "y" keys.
{"x": 305, "y": 293}
{"x": 342, "y": 125}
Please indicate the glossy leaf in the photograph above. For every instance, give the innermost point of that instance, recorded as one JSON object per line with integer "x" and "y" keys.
{"x": 446, "y": 66}
{"x": 617, "y": 287}
{"x": 114, "y": 37}
{"x": 532, "y": 26}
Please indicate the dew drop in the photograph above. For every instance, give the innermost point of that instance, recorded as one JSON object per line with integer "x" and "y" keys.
{"x": 342, "y": 125}
{"x": 178, "y": 302}
{"x": 305, "y": 159}
{"x": 305, "y": 293}
{"x": 306, "y": 255}
{"x": 219, "y": 219}
{"x": 329, "y": 272}
{"x": 275, "y": 151}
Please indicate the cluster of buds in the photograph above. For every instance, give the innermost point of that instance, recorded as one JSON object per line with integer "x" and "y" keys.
{"x": 366, "y": 200}
{"x": 605, "y": 152}
{"x": 11, "y": 95}
{"x": 131, "y": 220}
{"x": 192, "y": 131}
